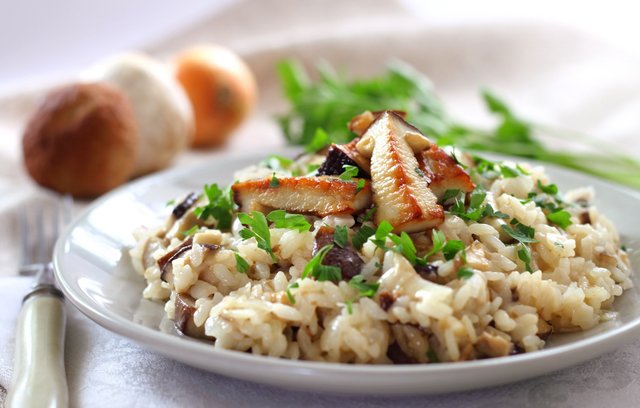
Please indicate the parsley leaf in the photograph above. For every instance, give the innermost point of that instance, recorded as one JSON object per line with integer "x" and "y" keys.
{"x": 362, "y": 236}
{"x": 274, "y": 181}
{"x": 451, "y": 248}
{"x": 220, "y": 206}
{"x": 319, "y": 141}
{"x": 349, "y": 172}
{"x": 341, "y": 236}
{"x": 439, "y": 241}
{"x": 465, "y": 272}
{"x": 276, "y": 162}
{"x": 561, "y": 218}
{"x": 290, "y": 296}
{"x": 282, "y": 219}
{"x": 349, "y": 305}
{"x": 365, "y": 289}
{"x": 191, "y": 231}
{"x": 258, "y": 228}
{"x": 525, "y": 256}
{"x": 509, "y": 172}
{"x": 490, "y": 212}
{"x": 450, "y": 193}
{"x": 241, "y": 264}
{"x": 550, "y": 189}
{"x": 368, "y": 215}
{"x": 404, "y": 246}
{"x": 520, "y": 233}
{"x": 360, "y": 185}
{"x": 381, "y": 234}
{"x": 321, "y": 272}
{"x": 432, "y": 356}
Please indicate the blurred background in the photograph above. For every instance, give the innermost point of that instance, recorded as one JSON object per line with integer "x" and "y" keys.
{"x": 43, "y": 40}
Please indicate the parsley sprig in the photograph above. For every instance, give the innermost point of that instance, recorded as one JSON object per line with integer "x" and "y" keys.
{"x": 316, "y": 269}
{"x": 283, "y": 219}
{"x": 334, "y": 99}
{"x": 258, "y": 228}
{"x": 220, "y": 206}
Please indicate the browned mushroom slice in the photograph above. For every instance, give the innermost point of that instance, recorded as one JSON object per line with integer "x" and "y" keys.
{"x": 490, "y": 345}
{"x": 401, "y": 193}
{"x": 183, "y": 318}
{"x": 443, "y": 172}
{"x": 319, "y": 196}
{"x": 185, "y": 205}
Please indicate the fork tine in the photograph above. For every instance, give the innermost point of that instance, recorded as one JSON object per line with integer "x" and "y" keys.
{"x": 41, "y": 243}
{"x": 25, "y": 251}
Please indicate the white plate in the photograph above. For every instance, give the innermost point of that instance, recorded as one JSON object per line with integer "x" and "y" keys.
{"x": 94, "y": 271}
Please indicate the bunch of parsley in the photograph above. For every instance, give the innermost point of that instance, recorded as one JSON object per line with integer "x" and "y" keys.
{"x": 325, "y": 106}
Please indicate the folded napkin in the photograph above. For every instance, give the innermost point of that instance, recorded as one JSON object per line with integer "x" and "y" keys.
{"x": 106, "y": 370}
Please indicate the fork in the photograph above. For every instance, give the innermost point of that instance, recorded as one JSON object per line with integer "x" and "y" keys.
{"x": 39, "y": 378}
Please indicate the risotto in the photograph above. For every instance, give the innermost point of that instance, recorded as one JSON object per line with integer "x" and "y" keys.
{"x": 385, "y": 250}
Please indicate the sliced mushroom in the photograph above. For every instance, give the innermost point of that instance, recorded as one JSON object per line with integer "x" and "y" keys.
{"x": 164, "y": 263}
{"x": 401, "y": 193}
{"x": 185, "y": 205}
{"x": 443, "y": 172}
{"x": 183, "y": 318}
{"x": 320, "y": 196}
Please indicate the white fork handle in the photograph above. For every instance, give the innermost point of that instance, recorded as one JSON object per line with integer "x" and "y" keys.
{"x": 39, "y": 378}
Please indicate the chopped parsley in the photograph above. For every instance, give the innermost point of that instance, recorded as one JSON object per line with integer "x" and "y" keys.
{"x": 451, "y": 249}
{"x": 341, "y": 236}
{"x": 364, "y": 289}
{"x": 465, "y": 272}
{"x": 524, "y": 254}
{"x": 404, "y": 245}
{"x": 241, "y": 264}
{"x": 171, "y": 202}
{"x": 191, "y": 231}
{"x": 550, "y": 189}
{"x": 220, "y": 206}
{"x": 282, "y": 219}
{"x": 450, "y": 193}
{"x": 439, "y": 241}
{"x": 275, "y": 162}
{"x": 258, "y": 228}
{"x": 490, "y": 212}
{"x": 349, "y": 305}
{"x": 509, "y": 172}
{"x": 274, "y": 181}
{"x": 318, "y": 142}
{"x": 349, "y": 172}
{"x": 419, "y": 172}
{"x": 561, "y": 218}
{"x": 475, "y": 211}
{"x": 368, "y": 215}
{"x": 321, "y": 272}
{"x": 520, "y": 232}
{"x": 360, "y": 185}
{"x": 381, "y": 234}
{"x": 290, "y": 296}
{"x": 363, "y": 234}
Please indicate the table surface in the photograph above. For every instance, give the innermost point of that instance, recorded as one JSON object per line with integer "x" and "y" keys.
{"x": 546, "y": 78}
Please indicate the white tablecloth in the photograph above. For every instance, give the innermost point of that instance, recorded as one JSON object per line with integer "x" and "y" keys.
{"x": 550, "y": 73}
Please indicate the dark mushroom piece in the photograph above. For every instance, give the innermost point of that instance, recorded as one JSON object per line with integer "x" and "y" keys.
{"x": 347, "y": 259}
{"x": 183, "y": 318}
{"x": 164, "y": 263}
{"x": 180, "y": 209}
{"x": 341, "y": 155}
